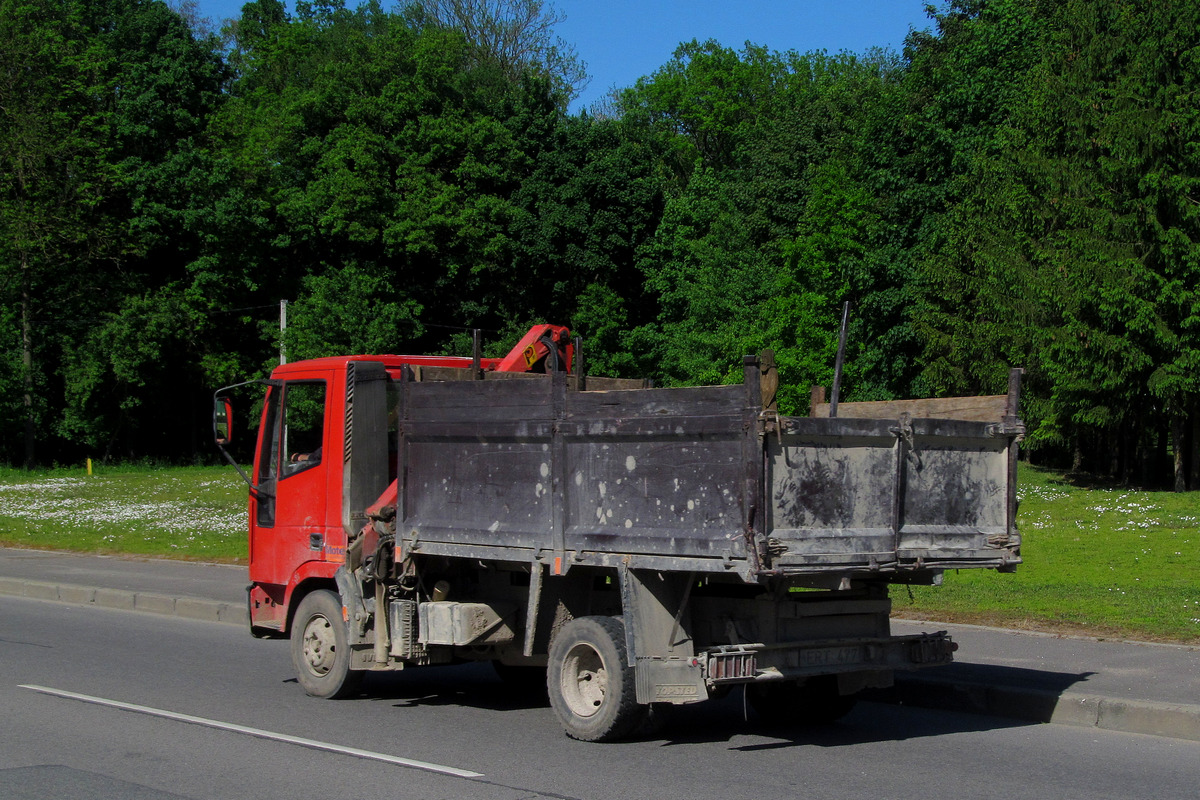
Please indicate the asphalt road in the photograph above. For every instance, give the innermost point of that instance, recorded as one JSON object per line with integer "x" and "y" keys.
{"x": 183, "y": 684}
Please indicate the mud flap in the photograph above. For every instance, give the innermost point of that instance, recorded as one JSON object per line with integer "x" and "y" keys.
{"x": 673, "y": 680}
{"x": 658, "y": 637}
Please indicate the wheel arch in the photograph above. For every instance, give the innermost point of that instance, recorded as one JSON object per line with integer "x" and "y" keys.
{"x": 304, "y": 583}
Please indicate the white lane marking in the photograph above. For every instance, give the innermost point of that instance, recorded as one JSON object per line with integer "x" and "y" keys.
{"x": 257, "y": 732}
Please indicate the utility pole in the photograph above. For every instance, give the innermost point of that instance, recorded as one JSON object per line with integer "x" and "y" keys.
{"x": 282, "y": 329}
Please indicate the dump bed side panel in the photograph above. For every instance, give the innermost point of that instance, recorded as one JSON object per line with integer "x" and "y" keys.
{"x": 476, "y": 464}
{"x": 885, "y": 494}
{"x": 832, "y": 490}
{"x": 696, "y": 479}
{"x": 656, "y": 471}
{"x": 530, "y": 467}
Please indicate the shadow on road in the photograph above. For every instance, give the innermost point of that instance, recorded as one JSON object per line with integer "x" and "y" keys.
{"x": 728, "y": 719}
{"x": 998, "y": 675}
{"x": 916, "y": 707}
{"x": 1028, "y": 695}
{"x": 471, "y": 685}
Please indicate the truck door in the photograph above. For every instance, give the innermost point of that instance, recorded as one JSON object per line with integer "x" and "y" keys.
{"x": 288, "y": 526}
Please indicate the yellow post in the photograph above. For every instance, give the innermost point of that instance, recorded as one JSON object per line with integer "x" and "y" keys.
{"x": 89, "y": 466}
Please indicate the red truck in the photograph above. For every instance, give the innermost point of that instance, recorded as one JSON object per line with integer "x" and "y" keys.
{"x": 635, "y": 546}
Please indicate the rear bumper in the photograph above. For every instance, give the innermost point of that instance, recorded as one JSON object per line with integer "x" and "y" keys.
{"x": 753, "y": 663}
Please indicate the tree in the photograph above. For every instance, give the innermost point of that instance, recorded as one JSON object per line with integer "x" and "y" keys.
{"x": 721, "y": 296}
{"x": 589, "y": 201}
{"x": 964, "y": 85}
{"x": 1072, "y": 244}
{"x": 860, "y": 219}
{"x": 388, "y": 158}
{"x": 1125, "y": 177}
{"x": 105, "y": 103}
{"x": 772, "y": 218}
{"x": 515, "y": 35}
{"x": 329, "y": 316}
{"x": 147, "y": 341}
{"x": 54, "y": 180}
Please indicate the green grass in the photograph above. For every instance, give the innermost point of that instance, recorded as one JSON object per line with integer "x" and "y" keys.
{"x": 190, "y": 513}
{"x": 1103, "y": 561}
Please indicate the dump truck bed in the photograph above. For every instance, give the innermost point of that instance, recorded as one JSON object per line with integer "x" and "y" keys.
{"x": 696, "y": 479}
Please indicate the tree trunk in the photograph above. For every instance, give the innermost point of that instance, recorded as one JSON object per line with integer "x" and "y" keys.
{"x": 27, "y": 360}
{"x": 1195, "y": 449}
{"x": 1129, "y": 456}
{"x": 1154, "y": 470}
{"x": 1179, "y": 448}
{"x": 1115, "y": 449}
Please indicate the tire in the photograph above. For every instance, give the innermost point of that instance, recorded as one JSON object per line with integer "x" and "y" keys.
{"x": 590, "y": 683}
{"x": 814, "y": 702}
{"x": 320, "y": 647}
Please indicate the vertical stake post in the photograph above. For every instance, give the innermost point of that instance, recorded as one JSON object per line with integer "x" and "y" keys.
{"x": 837, "y": 367}
{"x": 476, "y": 355}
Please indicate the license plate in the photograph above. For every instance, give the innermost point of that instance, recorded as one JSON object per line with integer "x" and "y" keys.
{"x": 830, "y": 656}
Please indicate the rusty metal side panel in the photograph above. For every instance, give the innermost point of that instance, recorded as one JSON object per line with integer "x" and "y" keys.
{"x": 656, "y": 471}
{"x": 832, "y": 493}
{"x": 477, "y": 464}
{"x": 884, "y": 495}
{"x": 956, "y": 492}
{"x": 488, "y": 466}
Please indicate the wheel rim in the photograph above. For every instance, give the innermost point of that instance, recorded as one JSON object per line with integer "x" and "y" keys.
{"x": 320, "y": 646}
{"x": 584, "y": 680}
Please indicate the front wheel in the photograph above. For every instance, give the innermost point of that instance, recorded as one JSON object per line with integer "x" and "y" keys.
{"x": 320, "y": 647}
{"x": 590, "y": 682}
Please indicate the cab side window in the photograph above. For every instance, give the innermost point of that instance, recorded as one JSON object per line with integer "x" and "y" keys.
{"x": 295, "y": 427}
{"x": 303, "y": 426}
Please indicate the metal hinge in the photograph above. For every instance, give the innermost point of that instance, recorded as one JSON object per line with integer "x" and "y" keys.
{"x": 1006, "y": 428}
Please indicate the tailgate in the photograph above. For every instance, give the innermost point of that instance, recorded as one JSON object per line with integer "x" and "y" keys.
{"x": 891, "y": 494}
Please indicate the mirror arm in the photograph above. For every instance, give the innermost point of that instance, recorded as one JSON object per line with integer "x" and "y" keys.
{"x": 259, "y": 494}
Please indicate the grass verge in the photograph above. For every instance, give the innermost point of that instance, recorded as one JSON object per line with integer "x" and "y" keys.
{"x": 190, "y": 513}
{"x": 1100, "y": 561}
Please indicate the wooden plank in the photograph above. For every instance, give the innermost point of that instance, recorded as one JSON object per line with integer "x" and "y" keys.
{"x": 592, "y": 383}
{"x": 990, "y": 408}
{"x": 427, "y": 374}
{"x": 693, "y": 401}
{"x": 595, "y": 383}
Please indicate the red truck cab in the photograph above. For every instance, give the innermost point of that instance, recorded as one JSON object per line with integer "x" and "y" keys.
{"x": 308, "y": 498}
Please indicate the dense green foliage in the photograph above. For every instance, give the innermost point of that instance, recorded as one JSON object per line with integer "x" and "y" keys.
{"x": 1019, "y": 187}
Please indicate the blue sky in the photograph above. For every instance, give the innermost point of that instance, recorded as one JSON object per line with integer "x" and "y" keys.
{"x": 622, "y": 40}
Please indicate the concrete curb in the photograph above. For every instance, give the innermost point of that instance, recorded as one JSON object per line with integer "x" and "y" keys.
{"x": 150, "y": 602}
{"x": 1172, "y": 720}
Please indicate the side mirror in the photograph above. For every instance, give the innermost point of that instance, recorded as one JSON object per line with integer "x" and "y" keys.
{"x": 223, "y": 431}
{"x": 222, "y": 420}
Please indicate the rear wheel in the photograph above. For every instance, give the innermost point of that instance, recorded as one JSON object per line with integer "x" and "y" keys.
{"x": 814, "y": 702}
{"x": 321, "y": 649}
{"x": 590, "y": 683}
